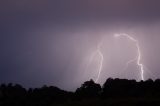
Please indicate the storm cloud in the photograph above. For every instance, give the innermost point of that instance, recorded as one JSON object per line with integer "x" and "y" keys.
{"x": 50, "y": 41}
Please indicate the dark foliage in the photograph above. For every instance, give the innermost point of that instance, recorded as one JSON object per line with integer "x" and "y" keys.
{"x": 88, "y": 90}
{"x": 113, "y": 92}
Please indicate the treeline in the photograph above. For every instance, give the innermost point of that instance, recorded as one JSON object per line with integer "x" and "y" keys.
{"x": 16, "y": 95}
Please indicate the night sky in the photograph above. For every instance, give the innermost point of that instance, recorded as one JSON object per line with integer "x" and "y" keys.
{"x": 49, "y": 42}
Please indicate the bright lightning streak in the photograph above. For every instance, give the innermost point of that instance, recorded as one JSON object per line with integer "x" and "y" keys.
{"x": 99, "y": 53}
{"x": 139, "y": 53}
{"x": 101, "y": 64}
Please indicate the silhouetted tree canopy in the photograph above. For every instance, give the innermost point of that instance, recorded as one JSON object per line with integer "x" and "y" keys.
{"x": 114, "y": 89}
{"x": 88, "y": 89}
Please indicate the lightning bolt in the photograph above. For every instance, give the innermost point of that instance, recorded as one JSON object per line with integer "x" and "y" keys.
{"x": 138, "y": 58}
{"x": 127, "y": 64}
{"x": 100, "y": 65}
{"x": 99, "y": 53}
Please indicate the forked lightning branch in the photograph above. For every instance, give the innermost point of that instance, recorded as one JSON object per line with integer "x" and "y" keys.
{"x": 137, "y": 58}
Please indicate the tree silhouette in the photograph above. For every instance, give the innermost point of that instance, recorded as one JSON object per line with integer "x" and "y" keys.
{"x": 147, "y": 92}
{"x": 88, "y": 89}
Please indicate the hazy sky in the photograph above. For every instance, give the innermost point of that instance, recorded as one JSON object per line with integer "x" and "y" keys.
{"x": 51, "y": 41}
